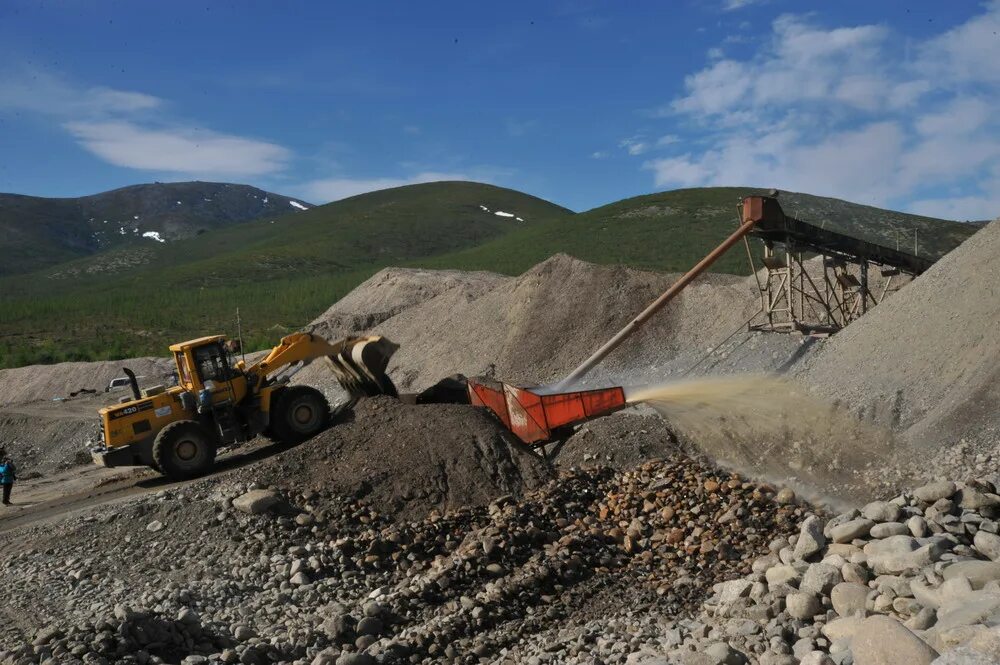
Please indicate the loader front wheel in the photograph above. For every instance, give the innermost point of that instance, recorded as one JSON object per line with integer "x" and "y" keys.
{"x": 183, "y": 449}
{"x": 299, "y": 413}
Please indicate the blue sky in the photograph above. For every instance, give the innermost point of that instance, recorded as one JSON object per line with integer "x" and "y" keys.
{"x": 583, "y": 103}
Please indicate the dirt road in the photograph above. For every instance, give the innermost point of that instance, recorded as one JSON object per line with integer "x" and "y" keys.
{"x": 40, "y": 500}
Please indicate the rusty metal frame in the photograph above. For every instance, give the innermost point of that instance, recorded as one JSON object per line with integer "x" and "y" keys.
{"x": 795, "y": 300}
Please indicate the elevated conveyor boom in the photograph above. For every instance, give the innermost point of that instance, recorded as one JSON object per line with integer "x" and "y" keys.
{"x": 772, "y": 224}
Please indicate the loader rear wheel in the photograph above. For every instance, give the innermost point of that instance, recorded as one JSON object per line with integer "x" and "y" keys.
{"x": 298, "y": 413}
{"x": 184, "y": 449}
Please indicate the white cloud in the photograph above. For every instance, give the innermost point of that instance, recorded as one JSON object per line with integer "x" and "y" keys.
{"x": 848, "y": 112}
{"x": 851, "y": 162}
{"x": 35, "y": 90}
{"x": 600, "y": 154}
{"x": 128, "y": 128}
{"x": 178, "y": 150}
{"x": 964, "y": 208}
{"x": 733, "y": 5}
{"x": 959, "y": 117}
{"x": 634, "y": 146}
{"x": 334, "y": 189}
{"x": 968, "y": 53}
{"x": 799, "y": 63}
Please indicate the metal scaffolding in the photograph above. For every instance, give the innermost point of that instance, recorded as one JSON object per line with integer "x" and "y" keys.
{"x": 816, "y": 281}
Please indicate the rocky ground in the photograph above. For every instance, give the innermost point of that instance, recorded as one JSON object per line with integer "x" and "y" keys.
{"x": 224, "y": 570}
{"x": 667, "y": 560}
{"x": 423, "y": 534}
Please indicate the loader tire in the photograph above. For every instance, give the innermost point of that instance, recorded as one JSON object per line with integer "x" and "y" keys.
{"x": 299, "y": 413}
{"x": 184, "y": 449}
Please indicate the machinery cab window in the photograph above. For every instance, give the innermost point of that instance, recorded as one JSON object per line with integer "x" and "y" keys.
{"x": 212, "y": 363}
{"x": 183, "y": 371}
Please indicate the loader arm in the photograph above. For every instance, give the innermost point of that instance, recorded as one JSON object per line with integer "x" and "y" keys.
{"x": 358, "y": 363}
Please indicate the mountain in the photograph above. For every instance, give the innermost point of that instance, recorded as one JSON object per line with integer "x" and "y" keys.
{"x": 673, "y": 230}
{"x": 282, "y": 272}
{"x": 37, "y": 232}
{"x": 386, "y": 227}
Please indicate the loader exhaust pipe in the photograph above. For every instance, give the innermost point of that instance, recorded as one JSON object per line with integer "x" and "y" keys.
{"x": 132, "y": 382}
{"x": 746, "y": 225}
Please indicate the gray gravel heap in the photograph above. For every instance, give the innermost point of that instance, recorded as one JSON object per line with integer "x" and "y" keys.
{"x": 209, "y": 573}
{"x": 910, "y": 581}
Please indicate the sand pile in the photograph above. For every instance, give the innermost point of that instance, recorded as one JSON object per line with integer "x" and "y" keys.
{"x": 393, "y": 290}
{"x": 536, "y": 327}
{"x": 34, "y": 383}
{"x": 927, "y": 361}
{"x": 44, "y": 426}
{"x": 407, "y": 460}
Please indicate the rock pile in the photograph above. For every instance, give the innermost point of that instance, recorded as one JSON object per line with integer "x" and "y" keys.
{"x": 236, "y": 573}
{"x": 909, "y": 581}
{"x": 409, "y": 459}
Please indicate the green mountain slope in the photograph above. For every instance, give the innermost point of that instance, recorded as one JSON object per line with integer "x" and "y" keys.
{"x": 280, "y": 272}
{"x": 37, "y": 232}
{"x": 283, "y": 272}
{"x": 673, "y": 230}
{"x": 388, "y": 227}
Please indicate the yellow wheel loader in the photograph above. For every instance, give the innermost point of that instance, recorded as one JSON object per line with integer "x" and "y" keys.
{"x": 220, "y": 401}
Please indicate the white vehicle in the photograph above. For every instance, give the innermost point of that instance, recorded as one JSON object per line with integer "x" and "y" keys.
{"x": 119, "y": 382}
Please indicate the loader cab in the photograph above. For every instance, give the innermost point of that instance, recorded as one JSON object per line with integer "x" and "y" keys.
{"x": 206, "y": 359}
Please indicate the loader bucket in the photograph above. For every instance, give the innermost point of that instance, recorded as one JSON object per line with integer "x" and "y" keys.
{"x": 359, "y": 365}
{"x": 537, "y": 416}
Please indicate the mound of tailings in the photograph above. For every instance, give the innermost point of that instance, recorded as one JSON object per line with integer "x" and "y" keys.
{"x": 926, "y": 361}
{"x": 409, "y": 459}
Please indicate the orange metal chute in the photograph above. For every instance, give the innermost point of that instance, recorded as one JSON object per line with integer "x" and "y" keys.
{"x": 537, "y": 418}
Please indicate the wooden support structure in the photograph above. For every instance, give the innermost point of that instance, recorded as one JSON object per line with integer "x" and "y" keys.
{"x": 816, "y": 281}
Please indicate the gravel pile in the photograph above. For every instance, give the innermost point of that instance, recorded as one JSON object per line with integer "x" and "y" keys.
{"x": 925, "y": 362}
{"x": 910, "y": 581}
{"x": 43, "y": 383}
{"x": 222, "y": 571}
{"x": 409, "y": 459}
{"x": 537, "y": 326}
{"x": 45, "y": 419}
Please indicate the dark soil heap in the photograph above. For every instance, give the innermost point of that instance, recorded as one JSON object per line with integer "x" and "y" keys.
{"x": 406, "y": 460}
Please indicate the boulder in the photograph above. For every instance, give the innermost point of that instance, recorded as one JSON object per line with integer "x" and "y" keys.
{"x": 803, "y": 605}
{"x": 977, "y": 572}
{"x": 972, "y": 499}
{"x": 848, "y": 531}
{"x": 881, "y": 640}
{"x": 811, "y": 539}
{"x": 917, "y": 526}
{"x": 897, "y": 554}
{"x": 848, "y": 598}
{"x": 721, "y": 653}
{"x": 975, "y": 607}
{"x": 988, "y": 544}
{"x": 256, "y": 502}
{"x": 982, "y": 649}
{"x": 842, "y": 629}
{"x": 932, "y": 492}
{"x": 782, "y": 575}
{"x": 820, "y": 578}
{"x": 888, "y": 529}
{"x": 730, "y": 592}
{"x": 881, "y": 511}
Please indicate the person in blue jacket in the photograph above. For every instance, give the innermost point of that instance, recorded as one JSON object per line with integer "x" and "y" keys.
{"x": 8, "y": 474}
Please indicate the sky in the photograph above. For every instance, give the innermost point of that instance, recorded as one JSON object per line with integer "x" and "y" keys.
{"x": 582, "y": 103}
